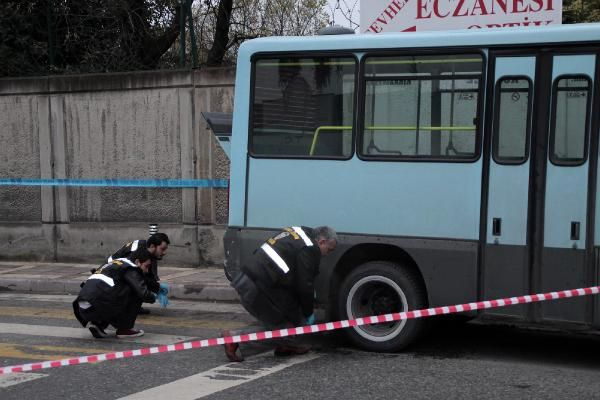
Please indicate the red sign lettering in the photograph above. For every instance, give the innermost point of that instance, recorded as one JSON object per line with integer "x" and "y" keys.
{"x": 432, "y": 10}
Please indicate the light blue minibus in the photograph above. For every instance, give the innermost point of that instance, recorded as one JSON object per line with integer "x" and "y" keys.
{"x": 456, "y": 166}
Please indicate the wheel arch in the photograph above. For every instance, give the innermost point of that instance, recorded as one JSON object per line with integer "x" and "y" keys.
{"x": 365, "y": 252}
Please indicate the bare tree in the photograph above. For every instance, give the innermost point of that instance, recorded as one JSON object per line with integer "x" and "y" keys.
{"x": 348, "y": 10}
{"x": 45, "y": 36}
{"x": 249, "y": 19}
{"x": 39, "y": 37}
{"x": 221, "y": 33}
{"x": 575, "y": 11}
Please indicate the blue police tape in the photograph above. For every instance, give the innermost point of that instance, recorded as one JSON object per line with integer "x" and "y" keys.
{"x": 163, "y": 183}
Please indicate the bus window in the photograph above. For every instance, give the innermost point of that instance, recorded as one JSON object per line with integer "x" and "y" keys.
{"x": 512, "y": 117}
{"x": 422, "y": 107}
{"x": 303, "y": 107}
{"x": 568, "y": 141}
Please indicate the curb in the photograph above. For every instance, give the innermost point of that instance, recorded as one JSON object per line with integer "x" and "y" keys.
{"x": 177, "y": 291}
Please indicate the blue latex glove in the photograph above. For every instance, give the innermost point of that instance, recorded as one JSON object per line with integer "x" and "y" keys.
{"x": 310, "y": 320}
{"x": 162, "y": 298}
{"x": 164, "y": 289}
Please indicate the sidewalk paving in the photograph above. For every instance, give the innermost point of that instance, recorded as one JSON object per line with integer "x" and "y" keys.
{"x": 207, "y": 284}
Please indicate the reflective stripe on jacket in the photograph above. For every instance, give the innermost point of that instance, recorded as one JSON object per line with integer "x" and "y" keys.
{"x": 113, "y": 283}
{"x": 126, "y": 251}
{"x": 288, "y": 263}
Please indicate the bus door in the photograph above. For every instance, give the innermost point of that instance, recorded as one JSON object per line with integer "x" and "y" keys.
{"x": 506, "y": 269}
{"x": 562, "y": 262}
{"x": 538, "y": 182}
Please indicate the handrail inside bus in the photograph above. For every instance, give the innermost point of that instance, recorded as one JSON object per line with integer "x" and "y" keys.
{"x": 384, "y": 128}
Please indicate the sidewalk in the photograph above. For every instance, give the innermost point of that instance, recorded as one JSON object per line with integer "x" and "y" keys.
{"x": 207, "y": 284}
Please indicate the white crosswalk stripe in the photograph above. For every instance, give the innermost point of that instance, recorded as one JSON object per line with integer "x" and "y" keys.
{"x": 193, "y": 387}
{"x": 80, "y": 333}
{"x": 174, "y": 304}
{"x": 218, "y": 379}
{"x": 20, "y": 377}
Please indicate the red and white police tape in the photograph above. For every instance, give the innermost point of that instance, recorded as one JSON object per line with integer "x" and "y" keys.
{"x": 301, "y": 330}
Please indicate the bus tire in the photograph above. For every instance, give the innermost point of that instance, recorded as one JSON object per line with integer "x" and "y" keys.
{"x": 381, "y": 287}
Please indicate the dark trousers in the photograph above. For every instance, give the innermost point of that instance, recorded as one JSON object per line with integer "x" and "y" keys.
{"x": 102, "y": 316}
{"x": 270, "y": 317}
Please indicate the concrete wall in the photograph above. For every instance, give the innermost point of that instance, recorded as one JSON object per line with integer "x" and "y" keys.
{"x": 135, "y": 125}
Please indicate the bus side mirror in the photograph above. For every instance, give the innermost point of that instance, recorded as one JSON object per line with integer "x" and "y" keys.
{"x": 220, "y": 124}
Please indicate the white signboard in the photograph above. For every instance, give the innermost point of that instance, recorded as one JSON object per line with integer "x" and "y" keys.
{"x": 378, "y": 16}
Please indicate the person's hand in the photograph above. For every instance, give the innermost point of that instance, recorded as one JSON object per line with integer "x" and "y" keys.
{"x": 310, "y": 319}
{"x": 164, "y": 288}
{"x": 162, "y": 298}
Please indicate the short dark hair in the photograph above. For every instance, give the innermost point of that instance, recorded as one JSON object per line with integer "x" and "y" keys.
{"x": 141, "y": 254}
{"x": 157, "y": 238}
{"x": 325, "y": 232}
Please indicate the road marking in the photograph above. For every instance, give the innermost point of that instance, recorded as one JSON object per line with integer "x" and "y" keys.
{"x": 190, "y": 321}
{"x": 8, "y": 350}
{"x": 80, "y": 333}
{"x": 219, "y": 378}
{"x": 191, "y": 305}
{"x": 10, "y": 275}
{"x": 18, "y": 377}
{"x": 21, "y": 268}
{"x": 32, "y": 352}
{"x": 69, "y": 348}
{"x": 60, "y": 313}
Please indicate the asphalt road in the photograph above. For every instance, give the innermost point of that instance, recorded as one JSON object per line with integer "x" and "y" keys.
{"x": 455, "y": 361}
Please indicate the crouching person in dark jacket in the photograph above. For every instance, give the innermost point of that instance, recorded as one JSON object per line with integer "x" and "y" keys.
{"x": 276, "y": 285}
{"x": 113, "y": 296}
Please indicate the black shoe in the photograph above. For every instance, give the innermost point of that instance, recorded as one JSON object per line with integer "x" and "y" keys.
{"x": 143, "y": 311}
{"x": 289, "y": 350}
{"x": 96, "y": 331}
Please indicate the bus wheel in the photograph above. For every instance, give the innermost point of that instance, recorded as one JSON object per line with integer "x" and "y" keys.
{"x": 381, "y": 287}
